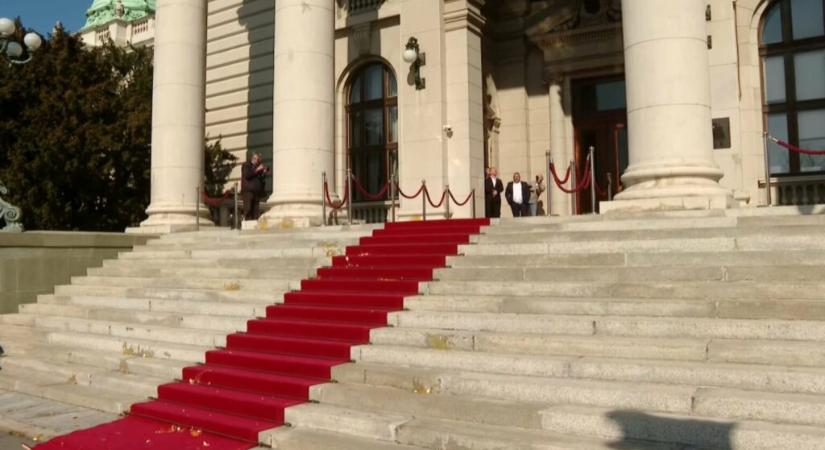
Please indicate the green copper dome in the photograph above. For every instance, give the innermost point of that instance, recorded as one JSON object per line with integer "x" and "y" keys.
{"x": 104, "y": 11}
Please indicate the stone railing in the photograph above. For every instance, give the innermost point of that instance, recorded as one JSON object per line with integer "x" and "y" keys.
{"x": 140, "y": 27}
{"x": 797, "y": 190}
{"x": 9, "y": 214}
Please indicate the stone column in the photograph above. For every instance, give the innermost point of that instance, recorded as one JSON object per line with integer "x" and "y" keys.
{"x": 669, "y": 113}
{"x": 465, "y": 105}
{"x": 178, "y": 114}
{"x": 303, "y": 109}
{"x": 559, "y": 201}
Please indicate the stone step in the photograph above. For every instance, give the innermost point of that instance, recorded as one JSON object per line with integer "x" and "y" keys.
{"x": 643, "y": 259}
{"x": 180, "y": 318}
{"x": 363, "y": 424}
{"x": 690, "y": 430}
{"x": 678, "y": 290}
{"x": 576, "y": 235}
{"x": 756, "y": 377}
{"x": 42, "y": 419}
{"x": 289, "y": 438}
{"x": 265, "y": 264}
{"x": 170, "y": 271}
{"x": 167, "y": 369}
{"x": 130, "y": 346}
{"x": 635, "y": 274}
{"x": 751, "y": 351}
{"x": 69, "y": 393}
{"x": 666, "y": 327}
{"x": 256, "y": 243}
{"x": 599, "y": 223}
{"x": 253, "y": 284}
{"x": 93, "y": 377}
{"x": 528, "y": 249}
{"x": 230, "y": 293}
{"x": 127, "y": 330}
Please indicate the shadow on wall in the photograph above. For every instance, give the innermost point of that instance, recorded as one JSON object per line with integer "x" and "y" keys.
{"x": 258, "y": 20}
{"x": 636, "y": 427}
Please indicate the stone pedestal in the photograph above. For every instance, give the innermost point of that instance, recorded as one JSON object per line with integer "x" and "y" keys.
{"x": 178, "y": 98}
{"x": 303, "y": 109}
{"x": 669, "y": 113}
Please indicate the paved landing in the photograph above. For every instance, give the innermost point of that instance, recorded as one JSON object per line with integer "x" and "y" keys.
{"x": 25, "y": 419}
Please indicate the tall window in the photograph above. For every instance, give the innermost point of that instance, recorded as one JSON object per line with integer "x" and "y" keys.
{"x": 372, "y": 115}
{"x": 792, "y": 45}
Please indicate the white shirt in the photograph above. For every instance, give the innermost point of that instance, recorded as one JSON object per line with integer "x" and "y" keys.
{"x": 517, "y": 195}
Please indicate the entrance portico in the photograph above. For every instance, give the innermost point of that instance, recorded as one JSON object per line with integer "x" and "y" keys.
{"x": 668, "y": 99}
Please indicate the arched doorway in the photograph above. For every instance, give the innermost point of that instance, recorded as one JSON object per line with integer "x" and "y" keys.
{"x": 792, "y": 49}
{"x": 372, "y": 135}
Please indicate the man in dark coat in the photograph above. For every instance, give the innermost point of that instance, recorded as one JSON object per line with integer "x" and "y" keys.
{"x": 518, "y": 196}
{"x": 253, "y": 181}
{"x": 492, "y": 194}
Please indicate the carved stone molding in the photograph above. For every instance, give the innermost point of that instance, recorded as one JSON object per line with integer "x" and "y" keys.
{"x": 460, "y": 14}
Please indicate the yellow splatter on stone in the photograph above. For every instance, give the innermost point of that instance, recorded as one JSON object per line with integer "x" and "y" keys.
{"x": 438, "y": 342}
{"x": 129, "y": 350}
{"x": 232, "y": 286}
{"x": 422, "y": 389}
{"x": 263, "y": 224}
{"x": 286, "y": 224}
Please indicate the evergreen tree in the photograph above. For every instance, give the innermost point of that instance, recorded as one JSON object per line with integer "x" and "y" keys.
{"x": 75, "y": 133}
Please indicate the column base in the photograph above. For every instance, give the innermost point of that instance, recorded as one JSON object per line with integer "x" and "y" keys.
{"x": 291, "y": 215}
{"x": 172, "y": 222}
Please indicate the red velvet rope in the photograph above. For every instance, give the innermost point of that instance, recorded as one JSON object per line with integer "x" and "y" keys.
{"x": 379, "y": 196}
{"x": 330, "y": 203}
{"x": 430, "y": 201}
{"x": 215, "y": 201}
{"x": 796, "y": 149}
{"x": 409, "y": 197}
{"x": 599, "y": 190}
{"x": 458, "y": 203}
{"x": 559, "y": 183}
{"x": 584, "y": 182}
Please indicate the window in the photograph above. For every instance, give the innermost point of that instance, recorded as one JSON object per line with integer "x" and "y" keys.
{"x": 792, "y": 45}
{"x": 372, "y": 114}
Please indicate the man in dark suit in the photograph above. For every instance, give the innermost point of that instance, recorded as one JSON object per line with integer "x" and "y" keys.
{"x": 492, "y": 194}
{"x": 253, "y": 179}
{"x": 518, "y": 196}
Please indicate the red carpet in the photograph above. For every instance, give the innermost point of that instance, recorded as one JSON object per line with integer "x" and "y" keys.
{"x": 244, "y": 388}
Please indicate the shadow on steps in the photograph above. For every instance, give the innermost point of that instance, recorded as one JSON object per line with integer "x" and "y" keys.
{"x": 637, "y": 426}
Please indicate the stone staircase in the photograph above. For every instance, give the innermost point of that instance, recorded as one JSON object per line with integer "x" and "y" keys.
{"x": 662, "y": 331}
{"x": 108, "y": 339}
{"x": 692, "y": 330}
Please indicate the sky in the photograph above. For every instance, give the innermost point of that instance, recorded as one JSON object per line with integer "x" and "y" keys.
{"x": 41, "y": 15}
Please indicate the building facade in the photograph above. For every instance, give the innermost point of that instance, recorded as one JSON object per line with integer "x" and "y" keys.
{"x": 674, "y": 97}
{"x": 124, "y": 22}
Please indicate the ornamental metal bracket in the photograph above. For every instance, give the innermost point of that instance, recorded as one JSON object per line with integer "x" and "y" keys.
{"x": 9, "y": 214}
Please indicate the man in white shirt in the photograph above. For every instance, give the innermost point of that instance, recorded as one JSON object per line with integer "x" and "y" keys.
{"x": 518, "y": 196}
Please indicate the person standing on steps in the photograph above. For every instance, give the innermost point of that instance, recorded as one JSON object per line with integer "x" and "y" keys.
{"x": 518, "y": 196}
{"x": 535, "y": 197}
{"x": 253, "y": 181}
{"x": 492, "y": 194}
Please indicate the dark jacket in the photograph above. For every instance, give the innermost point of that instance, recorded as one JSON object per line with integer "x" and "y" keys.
{"x": 252, "y": 181}
{"x": 525, "y": 193}
{"x": 489, "y": 188}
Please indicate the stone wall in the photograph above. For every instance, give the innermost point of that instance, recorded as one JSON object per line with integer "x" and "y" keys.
{"x": 33, "y": 263}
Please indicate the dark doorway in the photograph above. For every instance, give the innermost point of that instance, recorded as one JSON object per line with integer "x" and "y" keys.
{"x": 600, "y": 121}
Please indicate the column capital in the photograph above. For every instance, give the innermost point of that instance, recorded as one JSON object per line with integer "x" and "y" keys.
{"x": 459, "y": 14}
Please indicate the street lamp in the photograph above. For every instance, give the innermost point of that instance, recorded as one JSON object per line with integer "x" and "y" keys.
{"x": 12, "y": 50}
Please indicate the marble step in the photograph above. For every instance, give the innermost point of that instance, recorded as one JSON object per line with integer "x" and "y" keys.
{"x": 377, "y": 361}
{"x": 206, "y": 315}
{"x": 130, "y": 346}
{"x": 690, "y": 430}
{"x": 780, "y": 274}
{"x": 647, "y": 327}
{"x": 193, "y": 305}
{"x": 290, "y": 438}
{"x": 780, "y": 309}
{"x": 42, "y": 419}
{"x": 283, "y": 242}
{"x": 720, "y": 290}
{"x": 130, "y": 330}
{"x": 264, "y": 264}
{"x": 200, "y": 272}
{"x": 134, "y": 364}
{"x": 222, "y": 283}
{"x": 632, "y": 258}
{"x": 550, "y": 235}
{"x": 230, "y": 292}
{"x": 751, "y": 351}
